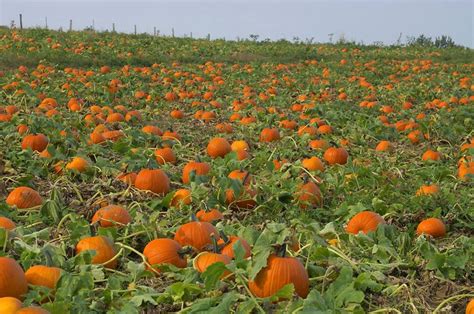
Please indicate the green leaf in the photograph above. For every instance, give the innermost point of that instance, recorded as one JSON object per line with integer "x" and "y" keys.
{"x": 212, "y": 275}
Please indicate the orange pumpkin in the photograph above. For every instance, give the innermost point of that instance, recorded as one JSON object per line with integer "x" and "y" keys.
{"x": 32, "y": 310}
{"x": 128, "y": 178}
{"x": 245, "y": 197}
{"x": 44, "y": 276}
{"x": 279, "y": 272}
{"x": 165, "y": 251}
{"x": 12, "y": 279}
{"x": 384, "y": 146}
{"x": 24, "y": 197}
{"x": 154, "y": 180}
{"x": 181, "y": 197}
{"x": 218, "y": 147}
{"x": 364, "y": 222}
{"x": 431, "y": 155}
{"x": 470, "y": 307}
{"x": 269, "y": 135}
{"x": 206, "y": 259}
{"x": 196, "y": 234}
{"x": 228, "y": 248}
{"x": 103, "y": 248}
{"x": 9, "y": 305}
{"x": 112, "y": 216}
{"x": 239, "y": 145}
{"x": 427, "y": 190}
{"x": 37, "y": 142}
{"x": 431, "y": 226}
{"x": 335, "y": 155}
{"x": 6, "y": 223}
{"x": 313, "y": 164}
{"x": 78, "y": 164}
{"x": 210, "y": 215}
{"x": 318, "y": 144}
{"x": 165, "y": 155}
{"x": 309, "y": 194}
{"x": 199, "y": 168}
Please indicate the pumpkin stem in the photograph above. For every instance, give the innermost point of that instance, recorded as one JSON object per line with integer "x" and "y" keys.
{"x": 224, "y": 237}
{"x": 247, "y": 175}
{"x": 305, "y": 178}
{"x": 281, "y": 251}
{"x": 215, "y": 247}
{"x": 185, "y": 251}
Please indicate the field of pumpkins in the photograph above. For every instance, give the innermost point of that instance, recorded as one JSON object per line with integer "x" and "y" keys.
{"x": 143, "y": 174}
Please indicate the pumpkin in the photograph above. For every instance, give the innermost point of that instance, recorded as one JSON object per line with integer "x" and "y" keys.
{"x": 313, "y": 164}
{"x": 24, "y": 197}
{"x": 96, "y": 138}
{"x": 325, "y": 129}
{"x": 210, "y": 215}
{"x": 466, "y": 170}
{"x": 9, "y": 305}
{"x": 427, "y": 190}
{"x": 113, "y": 135}
{"x": 470, "y": 307}
{"x": 384, "y": 146}
{"x": 115, "y": 117}
{"x": 431, "y": 226}
{"x": 112, "y": 216}
{"x": 307, "y": 129}
{"x": 242, "y": 154}
{"x": 22, "y": 129}
{"x": 245, "y": 196}
{"x": 154, "y": 180}
{"x": 78, "y": 164}
{"x": 177, "y": 114}
{"x": 335, "y": 155}
{"x": 269, "y": 135}
{"x": 239, "y": 145}
{"x": 181, "y": 197}
{"x": 165, "y": 251}
{"x": 7, "y": 223}
{"x": 37, "y": 142}
{"x": 309, "y": 194}
{"x": 32, "y": 310}
{"x": 12, "y": 279}
{"x": 205, "y": 259}
{"x": 279, "y": 163}
{"x": 151, "y": 129}
{"x": 431, "y": 155}
{"x": 43, "y": 276}
{"x": 170, "y": 135}
{"x": 103, "y": 248}
{"x": 218, "y": 147}
{"x": 165, "y": 155}
{"x": 199, "y": 168}
{"x": 364, "y": 222}
{"x": 318, "y": 144}
{"x": 196, "y": 234}
{"x": 228, "y": 248}
{"x": 128, "y": 178}
{"x": 279, "y": 272}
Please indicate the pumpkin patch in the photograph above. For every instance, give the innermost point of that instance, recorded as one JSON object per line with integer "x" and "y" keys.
{"x": 319, "y": 178}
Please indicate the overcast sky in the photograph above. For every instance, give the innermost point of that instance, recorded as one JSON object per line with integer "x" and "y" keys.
{"x": 367, "y": 21}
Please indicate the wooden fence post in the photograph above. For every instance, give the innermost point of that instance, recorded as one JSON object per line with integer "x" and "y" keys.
{"x": 70, "y": 25}
{"x": 172, "y": 32}
{"x": 135, "y": 29}
{"x": 21, "y": 21}
{"x": 113, "y": 27}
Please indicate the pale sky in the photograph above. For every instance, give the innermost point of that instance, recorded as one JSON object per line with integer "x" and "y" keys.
{"x": 366, "y": 21}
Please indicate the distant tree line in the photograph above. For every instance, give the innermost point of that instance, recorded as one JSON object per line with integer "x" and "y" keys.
{"x": 424, "y": 41}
